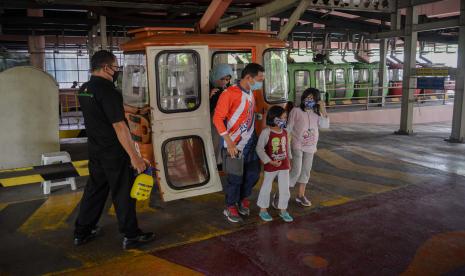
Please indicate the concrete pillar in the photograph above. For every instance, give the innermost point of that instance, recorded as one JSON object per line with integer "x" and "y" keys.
{"x": 409, "y": 82}
{"x": 36, "y": 43}
{"x": 458, "y": 118}
{"x": 1, "y": 12}
{"x": 103, "y": 32}
{"x": 92, "y": 46}
{"x": 383, "y": 78}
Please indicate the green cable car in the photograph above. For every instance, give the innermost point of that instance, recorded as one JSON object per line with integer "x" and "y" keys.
{"x": 366, "y": 75}
{"x": 304, "y": 75}
{"x": 339, "y": 80}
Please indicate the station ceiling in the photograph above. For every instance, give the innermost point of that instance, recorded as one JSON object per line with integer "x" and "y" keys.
{"x": 74, "y": 18}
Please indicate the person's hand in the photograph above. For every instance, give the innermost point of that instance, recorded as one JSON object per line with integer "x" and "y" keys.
{"x": 139, "y": 164}
{"x": 275, "y": 163}
{"x": 232, "y": 149}
{"x": 213, "y": 92}
{"x": 290, "y": 163}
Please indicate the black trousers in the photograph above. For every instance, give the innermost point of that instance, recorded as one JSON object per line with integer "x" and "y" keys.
{"x": 108, "y": 174}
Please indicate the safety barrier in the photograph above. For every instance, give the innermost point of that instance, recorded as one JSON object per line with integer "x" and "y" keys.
{"x": 68, "y": 100}
{"x": 29, "y": 175}
{"x": 383, "y": 100}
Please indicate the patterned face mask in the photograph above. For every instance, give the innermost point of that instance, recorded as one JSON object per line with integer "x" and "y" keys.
{"x": 310, "y": 104}
{"x": 280, "y": 123}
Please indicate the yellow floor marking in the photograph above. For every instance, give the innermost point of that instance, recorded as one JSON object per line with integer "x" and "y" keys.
{"x": 2, "y": 206}
{"x": 370, "y": 155}
{"x": 350, "y": 183}
{"x": 214, "y": 197}
{"x": 344, "y": 164}
{"x": 141, "y": 207}
{"x": 337, "y": 201}
{"x": 69, "y": 133}
{"x": 140, "y": 265}
{"x": 21, "y": 180}
{"x": 82, "y": 167}
{"x": 17, "y": 170}
{"x": 52, "y": 214}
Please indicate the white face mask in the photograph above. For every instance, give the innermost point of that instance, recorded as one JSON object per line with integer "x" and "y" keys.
{"x": 256, "y": 86}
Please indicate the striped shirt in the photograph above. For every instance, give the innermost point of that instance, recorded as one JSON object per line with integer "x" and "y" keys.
{"x": 234, "y": 115}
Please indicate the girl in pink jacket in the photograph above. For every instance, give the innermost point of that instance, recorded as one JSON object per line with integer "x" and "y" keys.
{"x": 303, "y": 124}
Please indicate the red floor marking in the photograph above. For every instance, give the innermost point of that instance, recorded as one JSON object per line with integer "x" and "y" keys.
{"x": 303, "y": 236}
{"x": 315, "y": 262}
{"x": 440, "y": 254}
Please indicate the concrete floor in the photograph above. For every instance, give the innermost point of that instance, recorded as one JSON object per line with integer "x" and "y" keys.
{"x": 382, "y": 204}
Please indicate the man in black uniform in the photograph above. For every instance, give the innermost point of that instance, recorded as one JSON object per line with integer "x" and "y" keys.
{"x": 111, "y": 155}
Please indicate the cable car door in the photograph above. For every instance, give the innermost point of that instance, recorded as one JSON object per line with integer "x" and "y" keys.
{"x": 181, "y": 131}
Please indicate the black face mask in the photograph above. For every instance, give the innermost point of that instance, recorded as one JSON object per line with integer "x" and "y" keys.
{"x": 115, "y": 75}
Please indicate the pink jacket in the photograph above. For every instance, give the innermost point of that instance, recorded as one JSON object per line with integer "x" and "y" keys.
{"x": 303, "y": 129}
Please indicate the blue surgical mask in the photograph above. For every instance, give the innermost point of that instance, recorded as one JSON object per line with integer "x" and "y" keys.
{"x": 309, "y": 104}
{"x": 280, "y": 123}
{"x": 256, "y": 86}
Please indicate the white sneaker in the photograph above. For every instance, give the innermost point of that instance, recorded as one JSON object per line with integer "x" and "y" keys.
{"x": 303, "y": 201}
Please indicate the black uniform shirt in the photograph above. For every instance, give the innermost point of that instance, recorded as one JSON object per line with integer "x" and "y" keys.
{"x": 101, "y": 105}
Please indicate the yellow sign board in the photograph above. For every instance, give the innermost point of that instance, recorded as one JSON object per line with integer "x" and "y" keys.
{"x": 432, "y": 71}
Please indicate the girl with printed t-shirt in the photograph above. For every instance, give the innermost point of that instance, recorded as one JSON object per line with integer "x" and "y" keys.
{"x": 274, "y": 151}
{"x": 303, "y": 126}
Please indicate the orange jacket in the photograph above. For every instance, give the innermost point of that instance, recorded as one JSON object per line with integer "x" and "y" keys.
{"x": 235, "y": 108}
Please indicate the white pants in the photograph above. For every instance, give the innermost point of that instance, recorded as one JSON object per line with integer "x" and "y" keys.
{"x": 283, "y": 186}
{"x": 301, "y": 166}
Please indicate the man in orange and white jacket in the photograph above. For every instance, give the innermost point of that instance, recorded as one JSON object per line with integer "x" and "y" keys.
{"x": 234, "y": 120}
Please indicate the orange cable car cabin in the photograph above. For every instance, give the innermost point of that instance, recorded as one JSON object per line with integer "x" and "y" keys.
{"x": 166, "y": 83}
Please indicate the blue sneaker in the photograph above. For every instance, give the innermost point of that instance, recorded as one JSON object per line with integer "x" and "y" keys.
{"x": 265, "y": 216}
{"x": 286, "y": 217}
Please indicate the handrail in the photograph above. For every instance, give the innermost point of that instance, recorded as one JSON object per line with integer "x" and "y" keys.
{"x": 382, "y": 100}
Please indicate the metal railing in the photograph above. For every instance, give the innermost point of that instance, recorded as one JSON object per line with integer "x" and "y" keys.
{"x": 382, "y": 100}
{"x": 68, "y": 100}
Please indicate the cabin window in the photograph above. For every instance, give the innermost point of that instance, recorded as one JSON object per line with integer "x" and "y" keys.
{"x": 320, "y": 80}
{"x": 350, "y": 75}
{"x": 237, "y": 61}
{"x": 340, "y": 76}
{"x": 375, "y": 77}
{"x": 178, "y": 81}
{"x": 361, "y": 75}
{"x": 276, "y": 83}
{"x": 302, "y": 82}
{"x": 134, "y": 82}
{"x": 185, "y": 162}
{"x": 396, "y": 74}
{"x": 329, "y": 76}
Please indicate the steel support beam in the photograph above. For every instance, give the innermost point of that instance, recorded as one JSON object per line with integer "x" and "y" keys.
{"x": 266, "y": 10}
{"x": 410, "y": 3}
{"x": 458, "y": 117}
{"x": 287, "y": 28}
{"x": 424, "y": 27}
{"x": 212, "y": 15}
{"x": 409, "y": 82}
{"x": 261, "y": 24}
{"x": 141, "y": 5}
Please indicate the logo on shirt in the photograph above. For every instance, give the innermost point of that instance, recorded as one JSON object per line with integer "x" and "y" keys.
{"x": 309, "y": 137}
{"x": 248, "y": 124}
